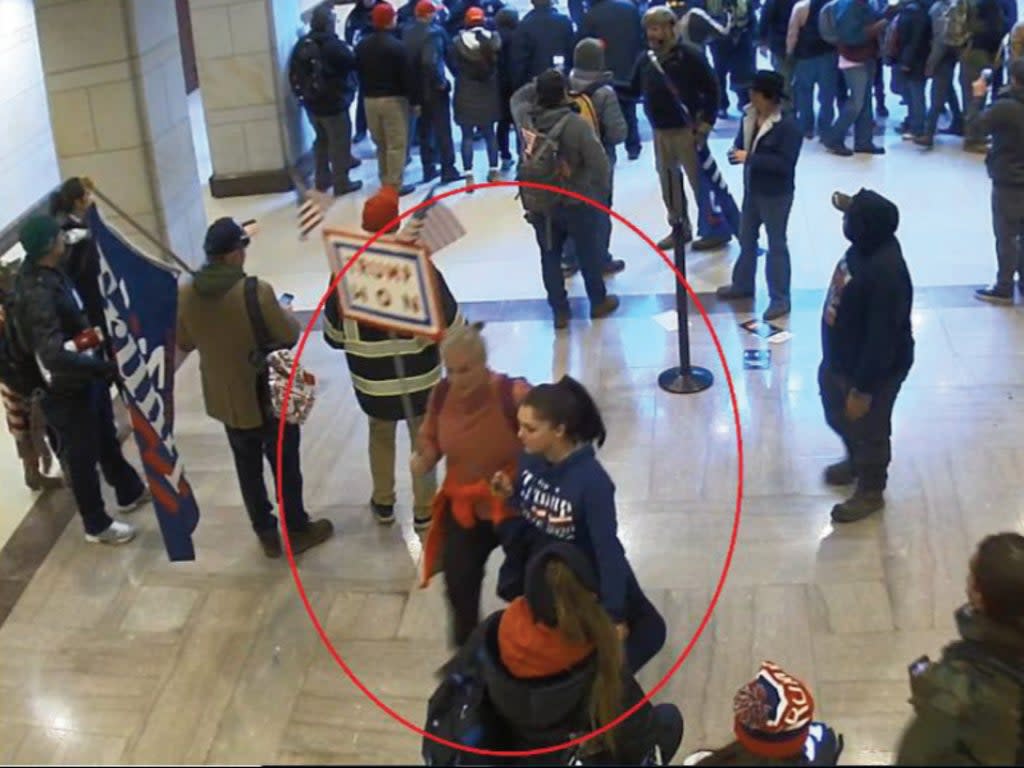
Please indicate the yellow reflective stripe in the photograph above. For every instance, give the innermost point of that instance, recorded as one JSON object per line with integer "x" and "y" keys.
{"x": 395, "y": 387}
{"x": 349, "y": 336}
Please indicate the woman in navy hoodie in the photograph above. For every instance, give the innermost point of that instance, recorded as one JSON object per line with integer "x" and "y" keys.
{"x": 563, "y": 493}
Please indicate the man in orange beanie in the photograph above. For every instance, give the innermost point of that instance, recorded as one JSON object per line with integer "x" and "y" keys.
{"x": 374, "y": 359}
{"x": 384, "y": 79}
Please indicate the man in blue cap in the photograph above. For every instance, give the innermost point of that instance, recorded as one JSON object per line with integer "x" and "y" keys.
{"x": 75, "y": 376}
{"x": 218, "y": 314}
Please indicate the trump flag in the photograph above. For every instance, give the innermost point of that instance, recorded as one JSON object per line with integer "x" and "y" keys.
{"x": 140, "y": 305}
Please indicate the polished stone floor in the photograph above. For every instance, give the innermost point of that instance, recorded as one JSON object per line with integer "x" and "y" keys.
{"x": 117, "y": 656}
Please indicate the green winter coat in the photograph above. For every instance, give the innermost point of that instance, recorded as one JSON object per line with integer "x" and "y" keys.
{"x": 966, "y": 713}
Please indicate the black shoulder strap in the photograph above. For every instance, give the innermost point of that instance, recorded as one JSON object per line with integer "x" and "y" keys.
{"x": 259, "y": 324}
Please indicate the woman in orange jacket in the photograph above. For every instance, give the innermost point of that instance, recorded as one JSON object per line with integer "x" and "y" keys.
{"x": 471, "y": 422}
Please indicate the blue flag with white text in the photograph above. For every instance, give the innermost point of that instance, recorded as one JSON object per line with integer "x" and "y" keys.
{"x": 140, "y": 305}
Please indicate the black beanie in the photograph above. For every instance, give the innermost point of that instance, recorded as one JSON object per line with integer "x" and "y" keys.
{"x": 538, "y": 593}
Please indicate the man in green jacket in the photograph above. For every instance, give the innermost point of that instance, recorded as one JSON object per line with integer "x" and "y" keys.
{"x": 969, "y": 706}
{"x": 213, "y": 318}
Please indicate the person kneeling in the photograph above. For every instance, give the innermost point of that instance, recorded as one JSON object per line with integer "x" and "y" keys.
{"x": 547, "y": 669}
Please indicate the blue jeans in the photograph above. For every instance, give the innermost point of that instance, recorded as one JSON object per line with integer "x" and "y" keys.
{"x": 917, "y": 109}
{"x": 943, "y": 93}
{"x": 819, "y": 71}
{"x": 580, "y": 223}
{"x": 857, "y": 111}
{"x": 773, "y": 212}
{"x": 569, "y": 260}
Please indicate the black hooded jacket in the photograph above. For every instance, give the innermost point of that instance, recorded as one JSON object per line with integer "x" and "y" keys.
{"x": 533, "y": 714}
{"x": 866, "y": 334}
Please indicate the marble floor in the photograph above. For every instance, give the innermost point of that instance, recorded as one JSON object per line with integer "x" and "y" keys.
{"x": 117, "y": 656}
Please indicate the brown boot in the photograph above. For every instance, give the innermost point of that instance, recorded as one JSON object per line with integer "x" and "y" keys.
{"x": 317, "y": 532}
{"x": 605, "y": 308}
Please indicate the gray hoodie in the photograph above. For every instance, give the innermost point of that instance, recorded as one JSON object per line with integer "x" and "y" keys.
{"x": 606, "y": 104}
{"x": 589, "y": 169}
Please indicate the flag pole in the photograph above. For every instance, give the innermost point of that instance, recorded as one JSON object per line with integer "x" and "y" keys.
{"x": 143, "y": 231}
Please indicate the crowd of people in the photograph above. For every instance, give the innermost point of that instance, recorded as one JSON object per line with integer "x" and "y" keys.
{"x": 522, "y": 468}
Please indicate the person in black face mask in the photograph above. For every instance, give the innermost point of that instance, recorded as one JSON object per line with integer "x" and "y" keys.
{"x": 867, "y": 349}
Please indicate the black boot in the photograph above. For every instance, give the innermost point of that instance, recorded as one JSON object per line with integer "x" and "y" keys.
{"x": 862, "y": 504}
{"x": 841, "y": 473}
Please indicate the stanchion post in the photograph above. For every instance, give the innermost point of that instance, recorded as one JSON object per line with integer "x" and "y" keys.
{"x": 686, "y": 379}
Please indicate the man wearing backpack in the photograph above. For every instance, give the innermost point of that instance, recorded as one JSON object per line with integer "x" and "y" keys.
{"x": 426, "y": 47}
{"x": 594, "y": 98}
{"x": 75, "y": 373}
{"x": 322, "y": 75}
{"x": 969, "y": 705}
{"x": 815, "y": 66}
{"x": 858, "y": 26}
{"x": 563, "y": 150}
{"x": 941, "y": 68}
{"x": 908, "y": 43}
{"x": 216, "y": 317}
{"x": 735, "y": 55}
{"x": 1004, "y": 122}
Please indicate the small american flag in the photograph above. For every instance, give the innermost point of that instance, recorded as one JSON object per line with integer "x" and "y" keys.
{"x": 311, "y": 213}
{"x": 434, "y": 227}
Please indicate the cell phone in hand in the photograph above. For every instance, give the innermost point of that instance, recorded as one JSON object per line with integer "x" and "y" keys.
{"x": 986, "y": 75}
{"x": 286, "y": 299}
{"x": 919, "y": 666}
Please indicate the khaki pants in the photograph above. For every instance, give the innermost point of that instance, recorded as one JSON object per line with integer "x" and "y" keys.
{"x": 672, "y": 149}
{"x": 387, "y": 119}
{"x": 382, "y": 465}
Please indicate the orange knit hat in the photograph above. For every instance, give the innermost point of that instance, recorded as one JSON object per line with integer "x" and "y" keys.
{"x": 380, "y": 210}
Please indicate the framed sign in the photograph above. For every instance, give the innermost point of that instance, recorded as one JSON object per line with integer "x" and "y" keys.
{"x": 391, "y": 285}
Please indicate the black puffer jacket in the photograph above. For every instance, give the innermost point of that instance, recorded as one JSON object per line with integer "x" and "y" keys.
{"x": 915, "y": 34}
{"x": 426, "y": 49}
{"x": 534, "y": 714}
{"x": 474, "y": 58}
{"x": 866, "y": 333}
{"x": 50, "y": 313}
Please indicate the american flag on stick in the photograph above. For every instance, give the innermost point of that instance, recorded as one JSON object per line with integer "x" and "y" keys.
{"x": 313, "y": 206}
{"x": 434, "y": 227}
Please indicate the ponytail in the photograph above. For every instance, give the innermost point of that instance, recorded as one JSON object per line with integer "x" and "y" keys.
{"x": 62, "y": 202}
{"x": 568, "y": 404}
{"x": 582, "y": 619}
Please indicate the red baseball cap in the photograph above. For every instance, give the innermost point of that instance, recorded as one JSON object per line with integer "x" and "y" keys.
{"x": 475, "y": 16}
{"x": 382, "y": 15}
{"x": 426, "y": 7}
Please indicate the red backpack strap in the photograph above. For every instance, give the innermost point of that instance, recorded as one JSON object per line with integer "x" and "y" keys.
{"x": 437, "y": 399}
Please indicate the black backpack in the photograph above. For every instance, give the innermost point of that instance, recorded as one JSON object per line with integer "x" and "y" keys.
{"x": 460, "y": 712}
{"x": 306, "y": 72}
{"x": 18, "y": 369}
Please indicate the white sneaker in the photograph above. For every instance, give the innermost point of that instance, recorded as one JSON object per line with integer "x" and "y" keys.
{"x": 117, "y": 533}
{"x": 131, "y": 506}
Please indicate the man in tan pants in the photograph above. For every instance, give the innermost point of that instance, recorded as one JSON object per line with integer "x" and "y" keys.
{"x": 680, "y": 95}
{"x": 384, "y": 80}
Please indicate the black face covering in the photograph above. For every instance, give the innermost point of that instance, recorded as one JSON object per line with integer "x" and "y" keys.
{"x": 870, "y": 221}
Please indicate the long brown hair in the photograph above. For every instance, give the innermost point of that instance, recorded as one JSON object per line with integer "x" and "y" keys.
{"x": 582, "y": 619}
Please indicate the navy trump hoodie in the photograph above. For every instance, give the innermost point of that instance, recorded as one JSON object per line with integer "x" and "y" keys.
{"x": 571, "y": 501}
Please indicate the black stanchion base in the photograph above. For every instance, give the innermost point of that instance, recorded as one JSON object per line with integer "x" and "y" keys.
{"x": 678, "y": 382}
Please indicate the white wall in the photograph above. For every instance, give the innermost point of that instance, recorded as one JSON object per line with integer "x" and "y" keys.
{"x": 28, "y": 161}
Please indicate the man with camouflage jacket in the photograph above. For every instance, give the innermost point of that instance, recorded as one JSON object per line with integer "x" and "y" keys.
{"x": 969, "y": 706}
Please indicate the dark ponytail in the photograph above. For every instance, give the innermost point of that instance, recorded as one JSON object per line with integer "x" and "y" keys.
{"x": 62, "y": 202}
{"x": 568, "y": 404}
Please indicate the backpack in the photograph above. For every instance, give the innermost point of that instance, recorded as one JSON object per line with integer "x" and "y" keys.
{"x": 18, "y": 369}
{"x": 984, "y": 693}
{"x": 506, "y": 392}
{"x": 827, "y": 26}
{"x": 892, "y": 42}
{"x": 541, "y": 163}
{"x": 852, "y": 20}
{"x": 459, "y": 711}
{"x": 273, "y": 367}
{"x": 306, "y": 73}
{"x": 956, "y": 23}
{"x": 583, "y": 105}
